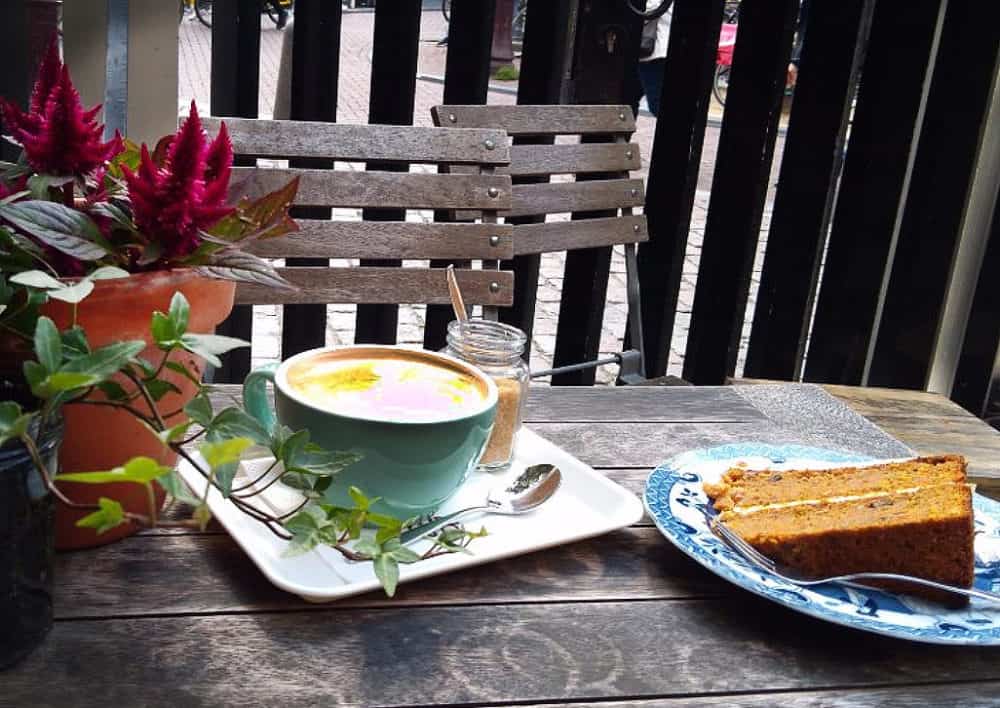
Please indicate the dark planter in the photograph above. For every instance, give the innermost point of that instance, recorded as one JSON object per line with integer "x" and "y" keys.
{"x": 27, "y": 532}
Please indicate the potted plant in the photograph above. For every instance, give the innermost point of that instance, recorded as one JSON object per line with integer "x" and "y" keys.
{"x": 115, "y": 264}
{"x": 101, "y": 234}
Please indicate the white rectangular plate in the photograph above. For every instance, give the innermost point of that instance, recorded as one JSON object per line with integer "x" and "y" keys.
{"x": 587, "y": 504}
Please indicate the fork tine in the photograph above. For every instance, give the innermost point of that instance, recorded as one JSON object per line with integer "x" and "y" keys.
{"x": 742, "y": 547}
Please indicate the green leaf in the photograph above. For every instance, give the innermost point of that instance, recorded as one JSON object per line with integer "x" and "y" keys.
{"x": 13, "y": 422}
{"x": 48, "y": 344}
{"x": 224, "y": 452}
{"x": 73, "y": 294}
{"x": 107, "y": 360}
{"x": 56, "y": 225}
{"x": 158, "y": 388}
{"x": 37, "y": 279}
{"x": 75, "y": 343}
{"x": 177, "y": 488}
{"x": 359, "y": 499}
{"x": 116, "y": 214}
{"x": 34, "y": 374}
{"x": 164, "y": 332}
{"x": 199, "y": 409}
{"x": 179, "y": 312}
{"x": 387, "y": 572}
{"x": 108, "y": 273}
{"x": 202, "y": 515}
{"x": 113, "y": 390}
{"x": 405, "y": 555}
{"x": 175, "y": 433}
{"x": 106, "y": 518}
{"x": 208, "y": 346}
{"x": 140, "y": 470}
{"x": 65, "y": 381}
{"x": 236, "y": 423}
{"x": 245, "y": 267}
{"x": 367, "y": 547}
{"x": 40, "y": 184}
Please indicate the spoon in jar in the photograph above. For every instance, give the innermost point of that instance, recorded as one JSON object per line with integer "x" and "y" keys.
{"x": 529, "y": 490}
{"x": 457, "y": 303}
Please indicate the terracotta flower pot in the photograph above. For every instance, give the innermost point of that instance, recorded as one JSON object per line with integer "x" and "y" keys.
{"x": 100, "y": 438}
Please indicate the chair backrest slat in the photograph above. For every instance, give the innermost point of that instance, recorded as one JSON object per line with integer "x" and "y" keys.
{"x": 577, "y": 158}
{"x": 285, "y": 139}
{"x": 566, "y": 197}
{"x": 538, "y": 120}
{"x": 554, "y": 236}
{"x": 374, "y": 285}
{"x": 401, "y": 190}
{"x": 390, "y": 239}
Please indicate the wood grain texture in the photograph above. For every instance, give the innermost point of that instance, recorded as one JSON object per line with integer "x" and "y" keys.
{"x": 572, "y": 404}
{"x": 407, "y": 190}
{"x": 427, "y": 655}
{"x": 361, "y": 143}
{"x": 378, "y": 285}
{"x": 565, "y": 197}
{"x": 554, "y": 236}
{"x": 539, "y": 120}
{"x": 631, "y": 564}
{"x": 562, "y": 158}
{"x": 390, "y": 239}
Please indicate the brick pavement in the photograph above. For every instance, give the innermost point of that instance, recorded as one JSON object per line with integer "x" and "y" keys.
{"x": 355, "y": 74}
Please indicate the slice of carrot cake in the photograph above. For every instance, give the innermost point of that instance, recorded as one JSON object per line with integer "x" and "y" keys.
{"x": 912, "y": 517}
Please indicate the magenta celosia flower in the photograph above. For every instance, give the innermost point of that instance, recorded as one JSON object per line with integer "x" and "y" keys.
{"x": 58, "y": 136}
{"x": 173, "y": 203}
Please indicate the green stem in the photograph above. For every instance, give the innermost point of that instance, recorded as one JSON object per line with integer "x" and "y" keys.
{"x": 36, "y": 457}
{"x": 151, "y": 495}
{"x": 148, "y": 398}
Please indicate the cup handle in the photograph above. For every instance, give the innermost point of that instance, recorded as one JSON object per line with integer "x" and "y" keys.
{"x": 255, "y": 395}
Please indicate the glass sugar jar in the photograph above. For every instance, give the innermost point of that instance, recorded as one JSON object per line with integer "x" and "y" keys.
{"x": 498, "y": 350}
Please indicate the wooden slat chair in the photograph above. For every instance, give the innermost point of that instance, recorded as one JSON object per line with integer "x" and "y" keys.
{"x": 481, "y": 152}
{"x": 600, "y": 198}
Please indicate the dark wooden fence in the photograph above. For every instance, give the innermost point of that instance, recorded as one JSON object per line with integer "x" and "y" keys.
{"x": 880, "y": 156}
{"x": 881, "y": 147}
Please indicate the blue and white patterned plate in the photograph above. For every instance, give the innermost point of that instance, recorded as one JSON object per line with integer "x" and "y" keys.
{"x": 674, "y": 499}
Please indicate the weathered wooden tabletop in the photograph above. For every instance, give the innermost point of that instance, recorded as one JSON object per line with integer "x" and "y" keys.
{"x": 183, "y": 619}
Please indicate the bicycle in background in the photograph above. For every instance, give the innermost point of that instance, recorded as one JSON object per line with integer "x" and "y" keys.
{"x": 277, "y": 10}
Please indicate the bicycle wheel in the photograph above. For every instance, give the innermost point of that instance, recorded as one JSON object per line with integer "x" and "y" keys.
{"x": 720, "y": 86}
{"x": 203, "y": 10}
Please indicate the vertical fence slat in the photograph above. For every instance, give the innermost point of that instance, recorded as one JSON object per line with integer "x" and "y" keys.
{"x": 674, "y": 162}
{"x": 466, "y": 81}
{"x": 810, "y": 166}
{"x": 977, "y": 369}
{"x": 875, "y": 172}
{"x": 543, "y": 59}
{"x": 17, "y": 76}
{"x": 315, "y": 71}
{"x": 739, "y": 187}
{"x": 605, "y": 54}
{"x": 235, "y": 91}
{"x": 947, "y": 151}
{"x": 395, "y": 47}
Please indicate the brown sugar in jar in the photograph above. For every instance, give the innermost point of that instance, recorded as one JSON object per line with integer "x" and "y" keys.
{"x": 497, "y": 350}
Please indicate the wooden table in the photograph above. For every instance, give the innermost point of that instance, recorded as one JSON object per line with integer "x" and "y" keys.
{"x": 181, "y": 619}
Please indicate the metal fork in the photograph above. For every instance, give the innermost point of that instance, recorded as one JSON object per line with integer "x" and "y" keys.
{"x": 756, "y": 558}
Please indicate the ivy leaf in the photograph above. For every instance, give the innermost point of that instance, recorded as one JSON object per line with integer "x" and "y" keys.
{"x": 65, "y": 381}
{"x": 179, "y": 312}
{"x": 236, "y": 423}
{"x": 405, "y": 555}
{"x": 48, "y": 344}
{"x": 106, "y": 518}
{"x": 199, "y": 409}
{"x": 174, "y": 433}
{"x": 37, "y": 279}
{"x": 367, "y": 547}
{"x": 108, "y": 273}
{"x": 208, "y": 346}
{"x": 56, "y": 225}
{"x": 107, "y": 360}
{"x": 245, "y": 267}
{"x": 176, "y": 487}
{"x": 158, "y": 388}
{"x": 140, "y": 470}
{"x": 163, "y": 330}
{"x": 387, "y": 572}
{"x": 113, "y": 390}
{"x": 224, "y": 452}
{"x": 179, "y": 368}
{"x": 73, "y": 294}
{"x": 359, "y": 499}
{"x": 202, "y": 515}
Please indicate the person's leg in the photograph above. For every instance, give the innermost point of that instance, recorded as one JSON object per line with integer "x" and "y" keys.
{"x": 651, "y": 75}
{"x": 282, "y": 13}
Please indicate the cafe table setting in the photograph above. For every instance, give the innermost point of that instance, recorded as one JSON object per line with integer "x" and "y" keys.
{"x": 610, "y": 588}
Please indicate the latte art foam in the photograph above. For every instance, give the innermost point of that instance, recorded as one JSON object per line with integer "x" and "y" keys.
{"x": 385, "y": 388}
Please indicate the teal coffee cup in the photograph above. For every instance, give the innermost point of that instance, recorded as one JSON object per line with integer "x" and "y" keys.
{"x": 413, "y": 460}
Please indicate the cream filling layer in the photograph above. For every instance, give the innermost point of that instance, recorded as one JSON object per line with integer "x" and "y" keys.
{"x": 744, "y": 510}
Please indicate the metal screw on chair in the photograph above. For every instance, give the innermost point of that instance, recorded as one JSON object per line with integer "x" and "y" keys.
{"x": 628, "y": 154}
{"x": 452, "y": 118}
{"x": 635, "y": 228}
{"x": 489, "y": 144}
{"x": 621, "y": 115}
{"x": 493, "y": 192}
{"x": 494, "y": 240}
{"x": 494, "y": 287}
{"x": 634, "y": 192}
